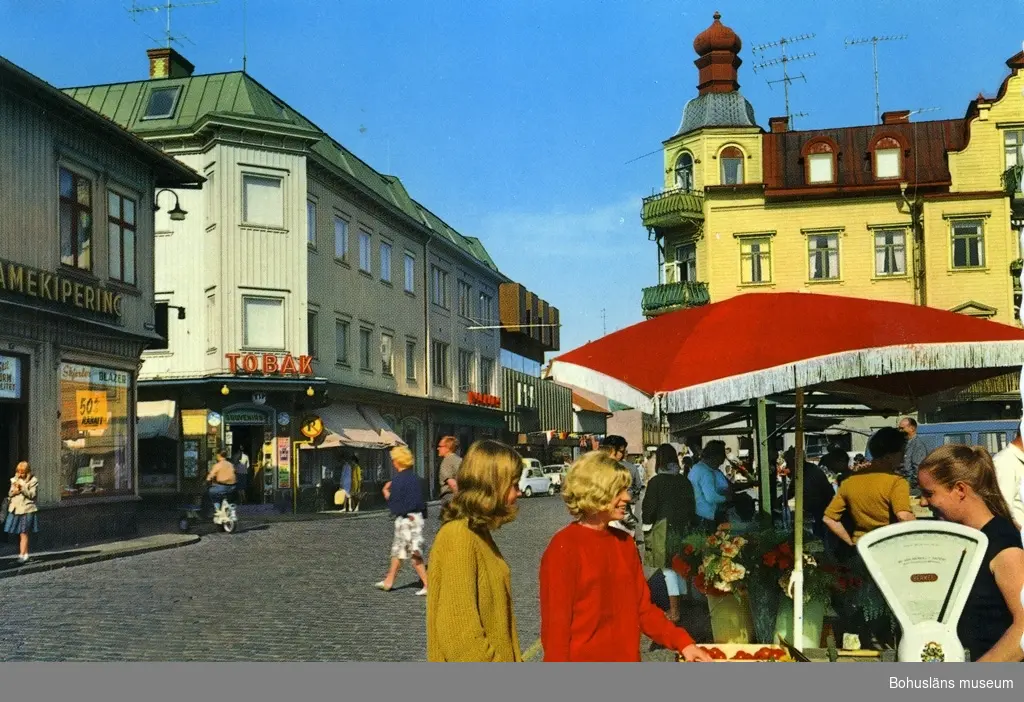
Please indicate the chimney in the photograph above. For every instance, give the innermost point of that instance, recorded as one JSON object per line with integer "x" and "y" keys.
{"x": 778, "y": 124}
{"x": 896, "y": 117}
{"x": 168, "y": 63}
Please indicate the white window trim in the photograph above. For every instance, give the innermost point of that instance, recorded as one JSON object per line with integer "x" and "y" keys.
{"x": 245, "y": 222}
{"x": 284, "y": 323}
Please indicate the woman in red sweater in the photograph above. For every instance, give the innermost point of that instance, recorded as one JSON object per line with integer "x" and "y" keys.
{"x": 594, "y": 599}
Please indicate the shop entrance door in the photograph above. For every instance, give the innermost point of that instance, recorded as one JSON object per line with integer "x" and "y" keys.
{"x": 13, "y": 446}
{"x": 249, "y": 438}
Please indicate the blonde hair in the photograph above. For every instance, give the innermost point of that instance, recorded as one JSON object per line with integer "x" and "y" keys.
{"x": 28, "y": 468}
{"x": 401, "y": 456}
{"x": 486, "y": 476}
{"x": 970, "y": 465}
{"x": 592, "y": 484}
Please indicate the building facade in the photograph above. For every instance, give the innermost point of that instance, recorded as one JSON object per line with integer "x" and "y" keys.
{"x": 76, "y": 302}
{"x": 910, "y": 211}
{"x": 313, "y": 287}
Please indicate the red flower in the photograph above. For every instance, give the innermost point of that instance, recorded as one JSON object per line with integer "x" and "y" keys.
{"x": 688, "y": 549}
{"x": 785, "y": 548}
{"x": 770, "y": 559}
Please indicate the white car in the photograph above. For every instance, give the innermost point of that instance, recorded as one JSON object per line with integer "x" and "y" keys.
{"x": 556, "y": 472}
{"x": 533, "y": 481}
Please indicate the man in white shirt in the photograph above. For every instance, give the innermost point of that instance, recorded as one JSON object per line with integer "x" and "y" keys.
{"x": 1009, "y": 465}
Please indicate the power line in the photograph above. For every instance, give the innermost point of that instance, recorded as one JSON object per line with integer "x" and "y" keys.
{"x": 784, "y": 60}
{"x": 874, "y": 61}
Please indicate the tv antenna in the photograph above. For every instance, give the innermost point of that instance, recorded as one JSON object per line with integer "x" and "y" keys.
{"x": 170, "y": 38}
{"x": 874, "y": 60}
{"x": 784, "y": 60}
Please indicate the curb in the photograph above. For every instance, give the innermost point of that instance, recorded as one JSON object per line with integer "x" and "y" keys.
{"x": 186, "y": 540}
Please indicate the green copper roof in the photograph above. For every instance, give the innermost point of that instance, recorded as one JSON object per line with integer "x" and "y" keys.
{"x": 237, "y": 95}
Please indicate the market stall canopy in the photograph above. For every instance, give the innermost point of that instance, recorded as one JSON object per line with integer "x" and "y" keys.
{"x": 158, "y": 420}
{"x": 760, "y": 344}
{"x": 355, "y": 427}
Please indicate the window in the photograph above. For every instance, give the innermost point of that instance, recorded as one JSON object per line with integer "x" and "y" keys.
{"x": 340, "y": 239}
{"x": 890, "y": 252}
{"x": 262, "y": 201}
{"x": 957, "y": 439}
{"x": 732, "y": 165}
{"x": 410, "y": 272}
{"x": 439, "y": 287}
{"x": 162, "y": 102}
{"x": 75, "y": 220}
{"x": 684, "y": 171}
{"x": 439, "y": 364}
{"x": 968, "y": 244}
{"x": 385, "y": 262}
{"x": 486, "y": 308}
{"x": 819, "y": 159}
{"x": 1013, "y": 141}
{"x": 756, "y": 261}
{"x": 311, "y": 223}
{"x": 365, "y": 342}
{"x": 487, "y": 375}
{"x": 387, "y": 360}
{"x": 212, "y": 323}
{"x": 263, "y": 323}
{"x": 160, "y": 327}
{"x": 465, "y": 370}
{"x": 364, "y": 251}
{"x": 888, "y": 158}
{"x": 410, "y": 360}
{"x": 96, "y": 431}
{"x": 465, "y": 291}
{"x": 686, "y": 263}
{"x": 341, "y": 342}
{"x": 993, "y": 441}
{"x": 823, "y": 253}
{"x": 311, "y": 335}
{"x": 121, "y": 237}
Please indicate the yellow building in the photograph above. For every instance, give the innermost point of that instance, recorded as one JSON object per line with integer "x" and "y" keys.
{"x": 916, "y": 212}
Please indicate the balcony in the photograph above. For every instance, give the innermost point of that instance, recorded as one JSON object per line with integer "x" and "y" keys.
{"x": 673, "y": 208}
{"x": 668, "y": 297}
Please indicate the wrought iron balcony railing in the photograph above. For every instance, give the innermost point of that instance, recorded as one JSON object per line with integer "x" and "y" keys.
{"x": 667, "y": 297}
{"x": 673, "y": 208}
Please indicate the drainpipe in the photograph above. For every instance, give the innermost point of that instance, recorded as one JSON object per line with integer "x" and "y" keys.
{"x": 427, "y": 379}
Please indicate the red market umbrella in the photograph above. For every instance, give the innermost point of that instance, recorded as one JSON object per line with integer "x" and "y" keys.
{"x": 761, "y": 344}
{"x": 756, "y": 345}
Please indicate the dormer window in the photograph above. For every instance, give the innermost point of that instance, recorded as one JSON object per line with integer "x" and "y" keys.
{"x": 162, "y": 102}
{"x": 888, "y": 159}
{"x": 820, "y": 160}
{"x": 684, "y": 171}
{"x": 732, "y": 165}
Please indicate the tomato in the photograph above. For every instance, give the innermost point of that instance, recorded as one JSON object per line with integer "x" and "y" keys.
{"x": 763, "y": 654}
{"x": 716, "y": 654}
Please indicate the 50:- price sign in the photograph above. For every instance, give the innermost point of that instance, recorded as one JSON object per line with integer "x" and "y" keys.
{"x": 91, "y": 410}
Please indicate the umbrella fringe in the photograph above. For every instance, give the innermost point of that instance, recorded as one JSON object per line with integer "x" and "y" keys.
{"x": 602, "y": 384}
{"x": 846, "y": 366}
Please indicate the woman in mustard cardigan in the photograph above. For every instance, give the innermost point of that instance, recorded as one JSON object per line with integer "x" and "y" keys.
{"x": 469, "y": 605}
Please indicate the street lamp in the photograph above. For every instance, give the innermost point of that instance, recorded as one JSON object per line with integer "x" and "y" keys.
{"x": 176, "y": 214}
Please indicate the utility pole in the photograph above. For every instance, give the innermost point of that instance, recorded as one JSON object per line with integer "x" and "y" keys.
{"x": 784, "y": 60}
{"x": 136, "y": 10}
{"x": 874, "y": 62}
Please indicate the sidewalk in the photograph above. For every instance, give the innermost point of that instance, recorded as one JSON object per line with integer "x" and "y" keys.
{"x": 52, "y": 560}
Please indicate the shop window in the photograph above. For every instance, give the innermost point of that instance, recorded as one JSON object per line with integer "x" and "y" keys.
{"x": 684, "y": 171}
{"x": 731, "y": 159}
{"x": 97, "y": 432}
{"x": 75, "y": 220}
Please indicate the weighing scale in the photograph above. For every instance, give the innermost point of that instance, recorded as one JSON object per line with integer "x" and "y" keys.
{"x": 925, "y": 570}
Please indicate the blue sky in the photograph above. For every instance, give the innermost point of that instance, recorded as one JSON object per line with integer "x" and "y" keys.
{"x": 519, "y": 121}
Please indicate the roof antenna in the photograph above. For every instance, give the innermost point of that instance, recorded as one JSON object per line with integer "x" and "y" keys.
{"x": 170, "y": 38}
{"x": 874, "y": 60}
{"x": 783, "y": 60}
{"x": 245, "y": 39}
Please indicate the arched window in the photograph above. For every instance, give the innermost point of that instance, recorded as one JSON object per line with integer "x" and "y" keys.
{"x": 732, "y": 165}
{"x": 684, "y": 171}
{"x": 820, "y": 162}
{"x": 888, "y": 158}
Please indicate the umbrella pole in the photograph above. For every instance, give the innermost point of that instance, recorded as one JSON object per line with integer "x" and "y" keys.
{"x": 797, "y": 582}
{"x": 763, "y": 469}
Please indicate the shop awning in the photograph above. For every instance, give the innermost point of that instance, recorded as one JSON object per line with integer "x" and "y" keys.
{"x": 157, "y": 420}
{"x": 357, "y": 427}
{"x": 470, "y": 416}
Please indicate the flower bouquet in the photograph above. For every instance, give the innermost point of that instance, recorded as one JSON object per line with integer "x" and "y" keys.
{"x": 717, "y": 561}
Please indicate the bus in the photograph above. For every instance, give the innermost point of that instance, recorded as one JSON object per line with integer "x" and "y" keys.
{"x": 994, "y": 435}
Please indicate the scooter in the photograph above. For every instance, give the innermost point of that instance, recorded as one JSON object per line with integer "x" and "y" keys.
{"x": 225, "y": 515}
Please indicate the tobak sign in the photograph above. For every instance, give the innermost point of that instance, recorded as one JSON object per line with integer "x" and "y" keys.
{"x": 269, "y": 364}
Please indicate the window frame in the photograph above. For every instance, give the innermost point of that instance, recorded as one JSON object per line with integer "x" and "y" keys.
{"x": 823, "y": 254}
{"x": 338, "y": 219}
{"x": 311, "y": 223}
{"x": 312, "y": 333}
{"x": 344, "y": 326}
{"x": 816, "y": 148}
{"x": 174, "y": 102}
{"x": 954, "y": 222}
{"x": 486, "y": 309}
{"x": 387, "y": 362}
{"x": 76, "y": 210}
{"x": 365, "y": 247}
{"x": 465, "y": 363}
{"x": 254, "y": 176}
{"x": 245, "y": 323}
{"x": 729, "y": 153}
{"x": 366, "y": 350}
{"x": 439, "y": 287}
{"x": 440, "y": 364}
{"x": 465, "y": 299}
{"x": 889, "y": 249}
{"x": 763, "y": 257}
{"x": 123, "y": 226}
{"x": 387, "y": 248}
{"x": 885, "y": 143}
{"x": 410, "y": 355}
{"x": 676, "y": 261}
{"x": 409, "y": 271}
{"x": 487, "y": 388}
{"x": 677, "y": 168}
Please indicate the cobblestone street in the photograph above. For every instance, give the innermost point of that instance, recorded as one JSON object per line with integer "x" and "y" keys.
{"x": 299, "y": 591}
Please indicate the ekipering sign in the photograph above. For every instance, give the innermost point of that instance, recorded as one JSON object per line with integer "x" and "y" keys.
{"x": 269, "y": 364}
{"x": 16, "y": 279}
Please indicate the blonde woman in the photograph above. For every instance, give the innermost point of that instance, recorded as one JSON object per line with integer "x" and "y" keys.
{"x": 469, "y": 608}
{"x": 959, "y": 482}
{"x": 404, "y": 494}
{"x": 21, "y": 514}
{"x": 594, "y": 598}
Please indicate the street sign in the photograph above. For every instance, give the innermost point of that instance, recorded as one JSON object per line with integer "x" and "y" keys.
{"x": 312, "y": 426}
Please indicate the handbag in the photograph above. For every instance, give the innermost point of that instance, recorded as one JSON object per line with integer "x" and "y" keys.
{"x": 340, "y": 496}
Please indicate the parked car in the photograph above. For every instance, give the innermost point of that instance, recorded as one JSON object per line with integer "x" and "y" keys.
{"x": 533, "y": 481}
{"x": 556, "y": 472}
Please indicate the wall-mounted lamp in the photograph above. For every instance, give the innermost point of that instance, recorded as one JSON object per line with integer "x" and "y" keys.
{"x": 176, "y": 213}
{"x": 224, "y": 389}
{"x": 310, "y": 391}
{"x": 181, "y": 310}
